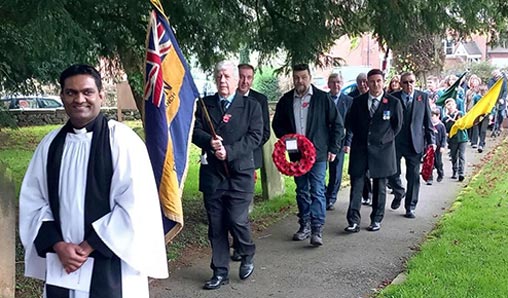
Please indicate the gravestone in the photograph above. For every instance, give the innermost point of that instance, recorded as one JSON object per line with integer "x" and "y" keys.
{"x": 271, "y": 179}
{"x": 7, "y": 235}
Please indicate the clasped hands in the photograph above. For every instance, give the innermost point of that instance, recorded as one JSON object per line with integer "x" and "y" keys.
{"x": 218, "y": 148}
{"x": 71, "y": 255}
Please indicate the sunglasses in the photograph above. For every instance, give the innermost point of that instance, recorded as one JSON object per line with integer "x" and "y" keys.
{"x": 408, "y": 82}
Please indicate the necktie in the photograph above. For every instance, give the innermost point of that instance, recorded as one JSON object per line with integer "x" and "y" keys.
{"x": 224, "y": 104}
{"x": 408, "y": 101}
{"x": 373, "y": 106}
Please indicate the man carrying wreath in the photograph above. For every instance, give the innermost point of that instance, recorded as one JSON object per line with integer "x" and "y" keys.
{"x": 310, "y": 112}
{"x": 375, "y": 118}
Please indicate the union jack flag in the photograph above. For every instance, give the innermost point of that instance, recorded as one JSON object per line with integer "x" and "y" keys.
{"x": 170, "y": 96}
{"x": 158, "y": 46}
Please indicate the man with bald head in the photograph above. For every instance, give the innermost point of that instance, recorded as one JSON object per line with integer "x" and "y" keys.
{"x": 226, "y": 175}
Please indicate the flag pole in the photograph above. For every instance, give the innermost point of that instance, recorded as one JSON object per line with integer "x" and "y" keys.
{"x": 212, "y": 130}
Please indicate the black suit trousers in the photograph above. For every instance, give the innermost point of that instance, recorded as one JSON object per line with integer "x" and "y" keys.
{"x": 228, "y": 211}
{"x": 355, "y": 199}
{"x": 412, "y": 176}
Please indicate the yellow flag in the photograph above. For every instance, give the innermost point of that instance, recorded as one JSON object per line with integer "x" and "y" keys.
{"x": 481, "y": 109}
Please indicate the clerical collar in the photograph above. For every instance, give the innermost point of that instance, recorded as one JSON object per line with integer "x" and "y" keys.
{"x": 87, "y": 128}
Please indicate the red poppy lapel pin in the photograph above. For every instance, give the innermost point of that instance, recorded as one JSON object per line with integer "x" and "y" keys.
{"x": 305, "y": 104}
{"x": 226, "y": 118}
{"x": 419, "y": 98}
{"x": 385, "y": 100}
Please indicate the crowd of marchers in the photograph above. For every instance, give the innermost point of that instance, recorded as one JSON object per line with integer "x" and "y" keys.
{"x": 377, "y": 124}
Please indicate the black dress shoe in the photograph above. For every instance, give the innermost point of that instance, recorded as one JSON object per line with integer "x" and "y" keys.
{"x": 461, "y": 178}
{"x": 236, "y": 257}
{"x": 246, "y": 269}
{"x": 396, "y": 201}
{"x": 374, "y": 227}
{"x": 354, "y": 228}
{"x": 215, "y": 282}
{"x": 410, "y": 214}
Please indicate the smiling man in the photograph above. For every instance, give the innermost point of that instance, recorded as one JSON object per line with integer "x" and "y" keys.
{"x": 89, "y": 203}
{"x": 342, "y": 103}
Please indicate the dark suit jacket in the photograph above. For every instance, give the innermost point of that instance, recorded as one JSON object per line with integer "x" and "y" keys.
{"x": 263, "y": 102}
{"x": 325, "y": 127}
{"x": 420, "y": 124}
{"x": 343, "y": 105}
{"x": 241, "y": 134}
{"x": 373, "y": 144}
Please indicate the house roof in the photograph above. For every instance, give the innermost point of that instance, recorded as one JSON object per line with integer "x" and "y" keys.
{"x": 497, "y": 50}
{"x": 472, "y": 48}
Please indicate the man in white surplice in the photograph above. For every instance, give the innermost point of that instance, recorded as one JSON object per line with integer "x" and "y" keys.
{"x": 90, "y": 219}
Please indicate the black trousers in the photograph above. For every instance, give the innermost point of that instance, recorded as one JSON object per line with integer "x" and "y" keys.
{"x": 412, "y": 176}
{"x": 438, "y": 163}
{"x": 228, "y": 211}
{"x": 355, "y": 199}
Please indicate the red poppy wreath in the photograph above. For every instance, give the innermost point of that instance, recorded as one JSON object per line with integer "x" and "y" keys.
{"x": 294, "y": 168}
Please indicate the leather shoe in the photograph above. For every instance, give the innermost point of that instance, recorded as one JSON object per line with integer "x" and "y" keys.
{"x": 461, "y": 178}
{"x": 215, "y": 282}
{"x": 236, "y": 257}
{"x": 374, "y": 227}
{"x": 410, "y": 214}
{"x": 246, "y": 269}
{"x": 354, "y": 228}
{"x": 330, "y": 206}
{"x": 396, "y": 201}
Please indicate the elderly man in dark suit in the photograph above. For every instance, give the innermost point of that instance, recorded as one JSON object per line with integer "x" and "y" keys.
{"x": 226, "y": 175}
{"x": 246, "y": 76}
{"x": 375, "y": 118}
{"x": 309, "y": 111}
{"x": 342, "y": 103}
{"x": 416, "y": 133}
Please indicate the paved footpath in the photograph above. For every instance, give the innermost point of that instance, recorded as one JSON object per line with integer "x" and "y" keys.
{"x": 347, "y": 265}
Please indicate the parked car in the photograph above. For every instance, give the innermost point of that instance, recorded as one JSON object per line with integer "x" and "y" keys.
{"x": 31, "y": 102}
{"x": 348, "y": 87}
{"x": 321, "y": 83}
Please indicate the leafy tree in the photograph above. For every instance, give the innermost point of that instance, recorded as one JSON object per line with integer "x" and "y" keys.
{"x": 267, "y": 82}
{"x": 40, "y": 38}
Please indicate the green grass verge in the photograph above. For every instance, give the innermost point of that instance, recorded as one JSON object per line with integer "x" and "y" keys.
{"x": 467, "y": 254}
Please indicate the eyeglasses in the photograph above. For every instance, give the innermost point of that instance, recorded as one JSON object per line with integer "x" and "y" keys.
{"x": 408, "y": 82}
